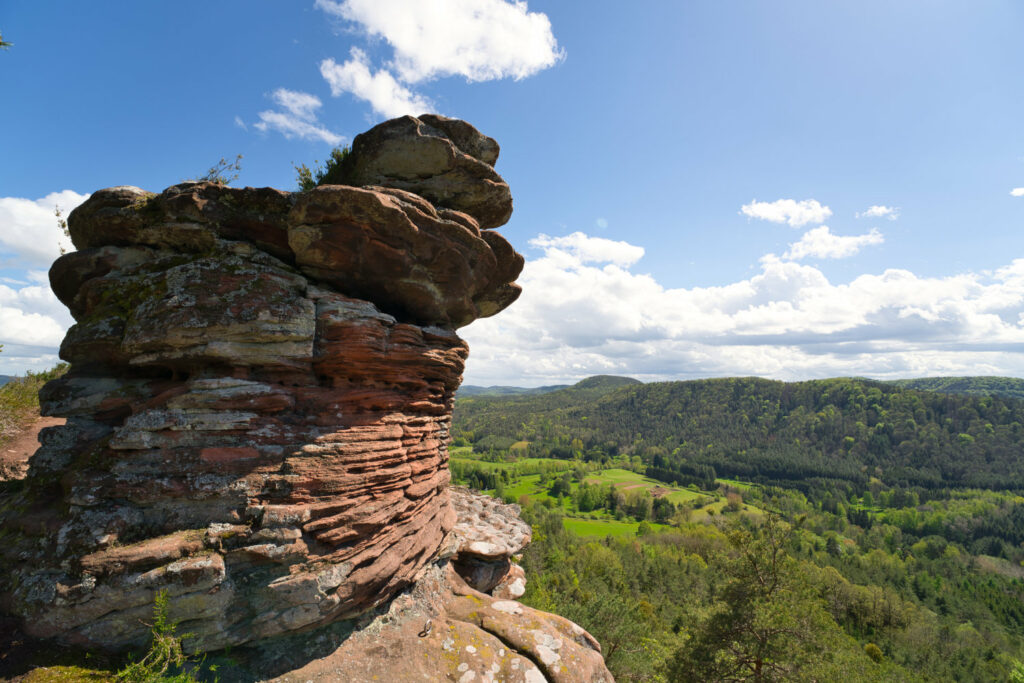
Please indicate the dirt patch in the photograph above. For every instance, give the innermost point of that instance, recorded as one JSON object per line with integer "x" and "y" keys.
{"x": 14, "y": 454}
{"x": 659, "y": 491}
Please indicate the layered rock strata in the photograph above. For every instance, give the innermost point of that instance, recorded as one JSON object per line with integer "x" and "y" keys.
{"x": 259, "y": 398}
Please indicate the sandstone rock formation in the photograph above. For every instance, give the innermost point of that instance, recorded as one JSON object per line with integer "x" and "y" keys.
{"x": 445, "y": 160}
{"x": 438, "y": 630}
{"x": 488, "y": 534}
{"x": 258, "y": 408}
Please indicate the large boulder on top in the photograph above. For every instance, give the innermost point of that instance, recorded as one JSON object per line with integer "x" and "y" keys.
{"x": 430, "y": 267}
{"x": 420, "y": 263}
{"x": 444, "y": 160}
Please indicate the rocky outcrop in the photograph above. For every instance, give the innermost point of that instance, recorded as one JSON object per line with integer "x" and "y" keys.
{"x": 440, "y": 629}
{"x": 488, "y": 534}
{"x": 250, "y": 438}
{"x": 258, "y": 408}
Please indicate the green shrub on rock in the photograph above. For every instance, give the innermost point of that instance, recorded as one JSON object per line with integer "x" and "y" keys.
{"x": 334, "y": 172}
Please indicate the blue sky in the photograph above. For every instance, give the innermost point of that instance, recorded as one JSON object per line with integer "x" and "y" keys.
{"x": 784, "y": 188}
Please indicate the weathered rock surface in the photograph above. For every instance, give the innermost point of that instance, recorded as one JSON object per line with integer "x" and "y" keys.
{"x": 257, "y": 417}
{"x": 438, "y": 630}
{"x": 257, "y": 408}
{"x": 445, "y": 160}
{"x": 488, "y": 534}
{"x": 270, "y": 452}
{"x": 394, "y": 247}
{"x": 388, "y": 246}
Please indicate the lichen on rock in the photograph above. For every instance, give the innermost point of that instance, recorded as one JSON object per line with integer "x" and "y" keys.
{"x": 259, "y": 400}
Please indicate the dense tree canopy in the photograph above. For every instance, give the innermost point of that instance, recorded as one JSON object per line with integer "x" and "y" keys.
{"x": 805, "y": 434}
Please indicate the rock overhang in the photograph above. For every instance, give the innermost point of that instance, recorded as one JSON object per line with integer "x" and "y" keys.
{"x": 423, "y": 265}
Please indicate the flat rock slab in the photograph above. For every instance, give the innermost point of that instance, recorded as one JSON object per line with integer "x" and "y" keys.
{"x": 439, "y": 630}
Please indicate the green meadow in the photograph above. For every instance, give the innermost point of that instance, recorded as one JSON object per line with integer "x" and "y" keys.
{"x": 628, "y": 480}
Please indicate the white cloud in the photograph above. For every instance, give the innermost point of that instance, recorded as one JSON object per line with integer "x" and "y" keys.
{"x": 301, "y": 104}
{"x": 877, "y": 211}
{"x": 240, "y": 123}
{"x": 32, "y": 325}
{"x": 586, "y": 249}
{"x": 1017, "y": 192}
{"x": 29, "y": 329}
{"x": 32, "y": 320}
{"x": 481, "y": 40}
{"x": 386, "y": 95}
{"x": 583, "y": 311}
{"x": 29, "y": 234}
{"x": 16, "y": 360}
{"x": 298, "y": 120}
{"x": 821, "y": 243}
{"x": 788, "y": 211}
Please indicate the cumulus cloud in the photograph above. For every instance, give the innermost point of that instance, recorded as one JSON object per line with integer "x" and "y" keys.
{"x": 29, "y": 234}
{"x": 298, "y": 120}
{"x": 790, "y": 211}
{"x": 584, "y": 311}
{"x": 479, "y": 40}
{"x": 1017, "y": 192}
{"x": 586, "y": 249}
{"x": 821, "y": 243}
{"x": 32, "y": 324}
{"x": 381, "y": 90}
{"x": 16, "y": 360}
{"x": 890, "y": 212}
{"x": 29, "y": 329}
{"x": 32, "y": 320}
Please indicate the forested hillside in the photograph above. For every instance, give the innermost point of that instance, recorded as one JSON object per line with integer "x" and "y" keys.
{"x": 867, "y": 550}
{"x": 803, "y": 434}
{"x": 1012, "y": 387}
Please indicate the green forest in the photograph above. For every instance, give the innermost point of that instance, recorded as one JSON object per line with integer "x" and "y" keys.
{"x": 1012, "y": 387}
{"x": 816, "y": 434}
{"x": 744, "y": 529}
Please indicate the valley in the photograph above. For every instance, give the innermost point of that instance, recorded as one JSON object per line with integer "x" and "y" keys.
{"x": 893, "y": 517}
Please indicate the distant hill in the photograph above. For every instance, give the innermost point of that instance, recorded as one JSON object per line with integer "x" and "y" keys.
{"x": 795, "y": 434}
{"x": 472, "y": 390}
{"x": 1012, "y": 387}
{"x": 590, "y": 386}
{"x": 4, "y": 379}
{"x": 501, "y": 409}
